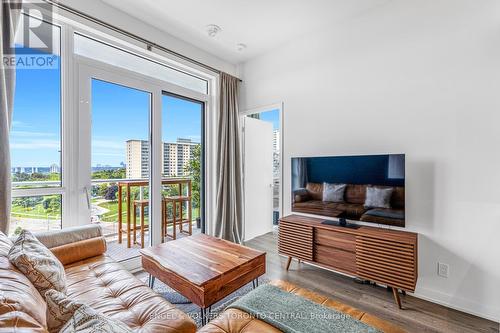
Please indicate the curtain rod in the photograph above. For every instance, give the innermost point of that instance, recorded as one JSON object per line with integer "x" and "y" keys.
{"x": 149, "y": 44}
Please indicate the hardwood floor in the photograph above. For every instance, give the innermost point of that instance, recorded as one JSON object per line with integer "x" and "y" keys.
{"x": 418, "y": 315}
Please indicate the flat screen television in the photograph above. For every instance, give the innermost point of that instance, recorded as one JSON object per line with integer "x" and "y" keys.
{"x": 367, "y": 188}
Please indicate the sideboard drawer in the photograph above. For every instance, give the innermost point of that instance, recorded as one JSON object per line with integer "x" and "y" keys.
{"x": 339, "y": 240}
{"x": 336, "y": 259}
{"x": 295, "y": 240}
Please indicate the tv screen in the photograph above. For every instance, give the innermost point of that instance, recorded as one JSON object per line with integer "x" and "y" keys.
{"x": 367, "y": 188}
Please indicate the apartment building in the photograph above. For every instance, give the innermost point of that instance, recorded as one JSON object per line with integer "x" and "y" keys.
{"x": 137, "y": 159}
{"x": 175, "y": 158}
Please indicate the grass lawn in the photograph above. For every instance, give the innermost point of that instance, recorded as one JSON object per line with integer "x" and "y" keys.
{"x": 112, "y": 214}
{"x": 35, "y": 212}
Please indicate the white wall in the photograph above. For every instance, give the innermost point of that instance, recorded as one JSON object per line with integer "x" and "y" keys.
{"x": 418, "y": 77}
{"x": 111, "y": 15}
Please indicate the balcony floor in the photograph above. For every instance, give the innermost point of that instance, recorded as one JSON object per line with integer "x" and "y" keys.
{"x": 120, "y": 252}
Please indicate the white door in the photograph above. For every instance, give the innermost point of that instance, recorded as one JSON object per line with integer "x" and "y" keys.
{"x": 258, "y": 177}
{"x": 114, "y": 117}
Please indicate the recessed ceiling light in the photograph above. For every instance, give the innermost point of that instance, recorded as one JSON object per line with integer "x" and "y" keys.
{"x": 240, "y": 46}
{"x": 213, "y": 30}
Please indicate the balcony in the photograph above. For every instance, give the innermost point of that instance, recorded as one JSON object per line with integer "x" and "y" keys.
{"x": 43, "y": 213}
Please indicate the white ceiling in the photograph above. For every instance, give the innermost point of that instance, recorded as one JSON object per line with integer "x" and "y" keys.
{"x": 260, "y": 24}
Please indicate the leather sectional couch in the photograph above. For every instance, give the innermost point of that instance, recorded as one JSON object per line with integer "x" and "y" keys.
{"x": 310, "y": 201}
{"x": 92, "y": 277}
{"x": 103, "y": 284}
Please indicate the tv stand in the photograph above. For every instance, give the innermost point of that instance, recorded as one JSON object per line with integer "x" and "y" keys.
{"x": 380, "y": 255}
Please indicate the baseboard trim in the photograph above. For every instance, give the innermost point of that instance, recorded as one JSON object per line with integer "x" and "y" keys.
{"x": 432, "y": 299}
{"x": 426, "y": 294}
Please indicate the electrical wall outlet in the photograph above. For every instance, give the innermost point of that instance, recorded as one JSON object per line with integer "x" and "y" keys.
{"x": 443, "y": 270}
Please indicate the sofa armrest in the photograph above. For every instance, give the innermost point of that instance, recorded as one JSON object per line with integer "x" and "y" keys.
{"x": 74, "y": 244}
{"x": 69, "y": 235}
{"x": 81, "y": 250}
{"x": 301, "y": 195}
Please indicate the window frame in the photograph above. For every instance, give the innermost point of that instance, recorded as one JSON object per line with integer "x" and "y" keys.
{"x": 71, "y": 193}
{"x": 61, "y": 190}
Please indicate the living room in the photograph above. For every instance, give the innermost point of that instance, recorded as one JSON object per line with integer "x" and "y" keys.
{"x": 142, "y": 164}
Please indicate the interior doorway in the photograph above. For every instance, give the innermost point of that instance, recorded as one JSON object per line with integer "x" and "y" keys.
{"x": 262, "y": 151}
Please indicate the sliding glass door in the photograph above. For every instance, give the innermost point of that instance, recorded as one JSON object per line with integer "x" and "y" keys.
{"x": 183, "y": 151}
{"x": 120, "y": 157}
{"x": 141, "y": 158}
{"x": 115, "y": 165}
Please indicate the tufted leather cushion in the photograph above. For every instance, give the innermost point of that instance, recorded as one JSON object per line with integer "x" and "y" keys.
{"x": 20, "y": 302}
{"x": 107, "y": 287}
{"x": 237, "y": 321}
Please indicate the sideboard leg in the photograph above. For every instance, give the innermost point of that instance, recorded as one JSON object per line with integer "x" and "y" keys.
{"x": 288, "y": 263}
{"x": 397, "y": 299}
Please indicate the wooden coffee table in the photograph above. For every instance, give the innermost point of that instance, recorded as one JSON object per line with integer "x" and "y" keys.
{"x": 202, "y": 268}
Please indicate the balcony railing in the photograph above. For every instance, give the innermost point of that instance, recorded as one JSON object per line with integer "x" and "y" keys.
{"x": 103, "y": 210}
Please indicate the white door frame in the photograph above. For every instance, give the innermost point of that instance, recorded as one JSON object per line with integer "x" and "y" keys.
{"x": 88, "y": 69}
{"x": 276, "y": 106}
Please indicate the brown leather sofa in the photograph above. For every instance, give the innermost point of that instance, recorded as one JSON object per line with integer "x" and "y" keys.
{"x": 237, "y": 321}
{"x": 310, "y": 201}
{"x": 92, "y": 277}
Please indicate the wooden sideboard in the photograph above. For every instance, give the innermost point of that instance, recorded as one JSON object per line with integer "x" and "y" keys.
{"x": 384, "y": 256}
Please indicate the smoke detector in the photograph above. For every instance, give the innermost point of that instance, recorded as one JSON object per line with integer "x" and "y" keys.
{"x": 213, "y": 30}
{"x": 240, "y": 46}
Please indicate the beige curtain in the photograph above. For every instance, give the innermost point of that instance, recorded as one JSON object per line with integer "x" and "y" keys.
{"x": 229, "y": 201}
{"x": 9, "y": 21}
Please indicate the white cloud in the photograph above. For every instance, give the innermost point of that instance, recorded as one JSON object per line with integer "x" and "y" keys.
{"x": 36, "y": 144}
{"x": 17, "y": 123}
{"x": 28, "y": 134}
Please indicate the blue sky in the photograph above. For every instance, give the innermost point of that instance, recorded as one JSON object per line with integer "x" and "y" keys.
{"x": 118, "y": 114}
{"x": 272, "y": 116}
{"x": 35, "y": 133}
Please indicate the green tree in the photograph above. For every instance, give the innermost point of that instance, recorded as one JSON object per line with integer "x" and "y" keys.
{"x": 109, "y": 174}
{"x": 102, "y": 189}
{"x": 52, "y": 204}
{"x": 27, "y": 202}
{"x": 193, "y": 169}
